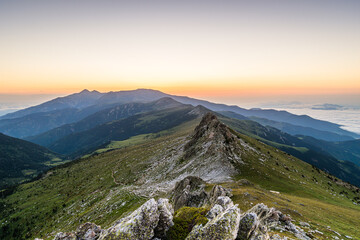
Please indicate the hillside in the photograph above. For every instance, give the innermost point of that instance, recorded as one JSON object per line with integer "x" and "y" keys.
{"x": 291, "y": 128}
{"x": 21, "y": 160}
{"x": 81, "y": 143}
{"x": 104, "y": 187}
{"x": 79, "y": 100}
{"x": 103, "y": 116}
{"x": 346, "y": 150}
{"x": 309, "y": 151}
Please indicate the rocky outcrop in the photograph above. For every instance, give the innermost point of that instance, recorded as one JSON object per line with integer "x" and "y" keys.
{"x": 189, "y": 192}
{"x": 248, "y": 223}
{"x": 210, "y": 128}
{"x": 151, "y": 220}
{"x": 166, "y": 213}
{"x": 218, "y": 191}
{"x": 223, "y": 222}
{"x": 65, "y": 236}
{"x": 86, "y": 231}
{"x": 154, "y": 219}
{"x": 256, "y": 223}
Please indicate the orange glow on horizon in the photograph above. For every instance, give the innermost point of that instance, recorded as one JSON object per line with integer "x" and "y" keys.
{"x": 197, "y": 89}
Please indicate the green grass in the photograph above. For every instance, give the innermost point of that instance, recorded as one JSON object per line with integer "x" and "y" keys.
{"x": 184, "y": 220}
{"x": 98, "y": 189}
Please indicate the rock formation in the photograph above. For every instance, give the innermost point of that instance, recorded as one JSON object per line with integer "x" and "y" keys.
{"x": 153, "y": 219}
{"x": 223, "y": 225}
{"x": 189, "y": 192}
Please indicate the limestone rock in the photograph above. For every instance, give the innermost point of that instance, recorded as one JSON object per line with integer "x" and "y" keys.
{"x": 304, "y": 224}
{"x": 189, "y": 192}
{"x": 138, "y": 225}
{"x": 225, "y": 202}
{"x": 224, "y": 226}
{"x": 88, "y": 231}
{"x": 248, "y": 223}
{"x": 214, "y": 211}
{"x": 65, "y": 236}
{"x": 166, "y": 213}
{"x": 259, "y": 219}
{"x": 218, "y": 191}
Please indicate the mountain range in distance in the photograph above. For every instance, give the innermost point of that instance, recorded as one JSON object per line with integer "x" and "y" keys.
{"x": 82, "y": 123}
{"x": 85, "y": 103}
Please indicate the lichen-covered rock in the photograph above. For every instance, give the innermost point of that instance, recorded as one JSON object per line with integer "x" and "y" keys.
{"x": 262, "y": 211}
{"x": 214, "y": 211}
{"x": 248, "y": 223}
{"x": 166, "y": 213}
{"x": 189, "y": 192}
{"x": 255, "y": 224}
{"x": 224, "y": 226}
{"x": 225, "y": 202}
{"x": 65, "y": 236}
{"x": 88, "y": 231}
{"x": 218, "y": 191}
{"x": 138, "y": 225}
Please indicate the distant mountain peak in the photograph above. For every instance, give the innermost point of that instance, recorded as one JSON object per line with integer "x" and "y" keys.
{"x": 85, "y": 91}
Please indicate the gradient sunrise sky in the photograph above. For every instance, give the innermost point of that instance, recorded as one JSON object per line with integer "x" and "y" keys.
{"x": 196, "y": 48}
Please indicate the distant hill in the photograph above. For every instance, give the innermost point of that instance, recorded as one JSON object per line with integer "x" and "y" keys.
{"x": 79, "y": 100}
{"x": 107, "y": 115}
{"x": 80, "y": 143}
{"x": 21, "y": 160}
{"x": 292, "y": 129}
{"x": 347, "y": 150}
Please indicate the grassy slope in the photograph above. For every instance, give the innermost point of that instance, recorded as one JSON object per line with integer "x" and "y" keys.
{"x": 151, "y": 122}
{"x": 323, "y": 204}
{"x": 21, "y": 160}
{"x": 96, "y": 189}
{"x": 312, "y": 154}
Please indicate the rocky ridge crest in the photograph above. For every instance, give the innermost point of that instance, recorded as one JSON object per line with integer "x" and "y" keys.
{"x": 154, "y": 218}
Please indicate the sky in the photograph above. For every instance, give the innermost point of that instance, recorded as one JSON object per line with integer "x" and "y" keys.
{"x": 217, "y": 50}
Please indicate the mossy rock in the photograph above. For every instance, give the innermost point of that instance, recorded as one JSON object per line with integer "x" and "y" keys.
{"x": 184, "y": 220}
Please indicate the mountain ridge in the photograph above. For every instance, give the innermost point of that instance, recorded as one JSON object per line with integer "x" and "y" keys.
{"x": 104, "y": 187}
{"x": 100, "y": 117}
{"x": 101, "y": 100}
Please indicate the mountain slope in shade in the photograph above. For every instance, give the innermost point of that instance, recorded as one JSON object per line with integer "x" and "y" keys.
{"x": 292, "y": 129}
{"x": 111, "y": 114}
{"x": 105, "y": 187}
{"x": 21, "y": 160}
{"x": 37, "y": 122}
{"x": 151, "y": 122}
{"x": 79, "y": 100}
{"x": 304, "y": 150}
{"x": 345, "y": 150}
{"x": 101, "y": 101}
